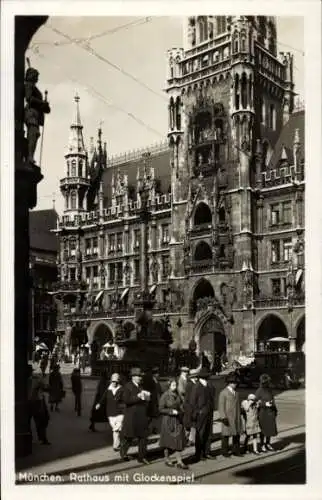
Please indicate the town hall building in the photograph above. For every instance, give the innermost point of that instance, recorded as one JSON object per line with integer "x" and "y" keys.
{"x": 226, "y": 201}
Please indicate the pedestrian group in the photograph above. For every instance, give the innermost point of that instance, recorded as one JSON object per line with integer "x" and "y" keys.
{"x": 182, "y": 415}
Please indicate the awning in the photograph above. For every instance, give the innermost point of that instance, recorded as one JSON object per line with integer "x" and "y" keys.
{"x": 278, "y": 339}
{"x": 299, "y": 274}
{"x": 153, "y": 288}
{"x": 99, "y": 296}
{"x": 124, "y": 293}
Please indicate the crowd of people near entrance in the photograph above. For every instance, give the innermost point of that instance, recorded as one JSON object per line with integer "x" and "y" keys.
{"x": 182, "y": 415}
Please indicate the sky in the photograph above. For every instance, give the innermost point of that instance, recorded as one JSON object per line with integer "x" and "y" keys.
{"x": 132, "y": 111}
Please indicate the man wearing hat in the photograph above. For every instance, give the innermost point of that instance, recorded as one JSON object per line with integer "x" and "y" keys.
{"x": 153, "y": 385}
{"x": 187, "y": 408}
{"x": 182, "y": 381}
{"x": 115, "y": 408}
{"x": 230, "y": 415}
{"x": 202, "y": 403}
{"x": 136, "y": 420}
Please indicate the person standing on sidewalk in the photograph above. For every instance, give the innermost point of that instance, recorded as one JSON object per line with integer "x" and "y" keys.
{"x": 77, "y": 390}
{"x": 98, "y": 413}
{"x": 203, "y": 404}
{"x": 136, "y": 420}
{"x": 267, "y": 412}
{"x": 187, "y": 406}
{"x": 183, "y": 381}
{"x": 172, "y": 435}
{"x": 250, "y": 413}
{"x": 153, "y": 385}
{"x": 56, "y": 388}
{"x": 115, "y": 409}
{"x": 229, "y": 409}
{"x": 37, "y": 405}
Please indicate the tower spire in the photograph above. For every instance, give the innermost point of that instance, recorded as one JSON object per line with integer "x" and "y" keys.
{"x": 77, "y": 121}
{"x": 76, "y": 141}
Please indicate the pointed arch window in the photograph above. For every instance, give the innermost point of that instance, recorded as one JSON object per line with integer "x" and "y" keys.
{"x": 221, "y": 24}
{"x": 244, "y": 91}
{"x": 243, "y": 42}
{"x": 235, "y": 43}
{"x": 222, "y": 214}
{"x": 178, "y": 113}
{"x": 237, "y": 92}
{"x": 272, "y": 117}
{"x": 73, "y": 172}
{"x": 171, "y": 113}
{"x": 203, "y": 29}
{"x": 80, "y": 168}
{"x": 68, "y": 168}
{"x": 73, "y": 197}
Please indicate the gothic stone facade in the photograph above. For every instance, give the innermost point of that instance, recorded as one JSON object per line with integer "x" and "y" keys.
{"x": 226, "y": 234}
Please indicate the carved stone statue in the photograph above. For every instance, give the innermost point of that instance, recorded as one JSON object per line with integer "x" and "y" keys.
{"x": 35, "y": 109}
{"x": 200, "y": 160}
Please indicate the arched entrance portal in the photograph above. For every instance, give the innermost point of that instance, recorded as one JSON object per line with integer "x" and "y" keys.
{"x": 202, "y": 290}
{"x": 78, "y": 336}
{"x": 300, "y": 335}
{"x": 212, "y": 337}
{"x": 102, "y": 335}
{"x": 272, "y": 327}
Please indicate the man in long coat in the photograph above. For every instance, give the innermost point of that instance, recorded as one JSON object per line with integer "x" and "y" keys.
{"x": 230, "y": 416}
{"x": 153, "y": 385}
{"x": 202, "y": 403}
{"x": 136, "y": 420}
{"x": 187, "y": 407}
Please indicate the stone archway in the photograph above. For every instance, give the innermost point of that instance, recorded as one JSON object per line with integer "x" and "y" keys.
{"x": 102, "y": 334}
{"x": 272, "y": 326}
{"x": 212, "y": 336}
{"x": 202, "y": 290}
{"x": 300, "y": 335}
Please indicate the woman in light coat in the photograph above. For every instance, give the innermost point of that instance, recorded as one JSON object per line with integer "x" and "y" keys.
{"x": 250, "y": 414}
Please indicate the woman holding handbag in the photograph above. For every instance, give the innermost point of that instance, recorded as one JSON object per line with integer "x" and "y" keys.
{"x": 172, "y": 436}
{"x": 267, "y": 413}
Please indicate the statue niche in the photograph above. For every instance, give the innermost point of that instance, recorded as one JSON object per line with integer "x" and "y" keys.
{"x": 35, "y": 109}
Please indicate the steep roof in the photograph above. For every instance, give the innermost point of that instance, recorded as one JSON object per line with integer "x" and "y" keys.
{"x": 286, "y": 138}
{"x": 160, "y": 161}
{"x": 40, "y": 224}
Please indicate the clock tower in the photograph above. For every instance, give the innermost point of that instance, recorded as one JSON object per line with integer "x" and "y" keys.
{"x": 229, "y": 95}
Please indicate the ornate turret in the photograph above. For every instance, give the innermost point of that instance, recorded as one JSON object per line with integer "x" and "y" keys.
{"x": 98, "y": 160}
{"x": 75, "y": 184}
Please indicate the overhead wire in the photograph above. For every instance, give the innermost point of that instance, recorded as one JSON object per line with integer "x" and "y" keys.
{"x": 87, "y": 47}
{"x": 111, "y": 31}
{"x": 91, "y": 90}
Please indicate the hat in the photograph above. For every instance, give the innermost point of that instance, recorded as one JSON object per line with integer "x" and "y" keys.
{"x": 194, "y": 373}
{"x": 204, "y": 373}
{"x": 136, "y": 372}
{"x": 232, "y": 378}
{"x": 184, "y": 369}
{"x": 115, "y": 377}
{"x": 155, "y": 370}
{"x": 251, "y": 397}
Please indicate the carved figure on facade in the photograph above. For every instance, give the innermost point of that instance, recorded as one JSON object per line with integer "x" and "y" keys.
{"x": 154, "y": 270}
{"x": 35, "y": 110}
{"x": 186, "y": 253}
{"x": 248, "y": 287}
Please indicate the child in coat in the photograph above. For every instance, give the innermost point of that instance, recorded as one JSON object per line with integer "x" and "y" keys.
{"x": 250, "y": 413}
